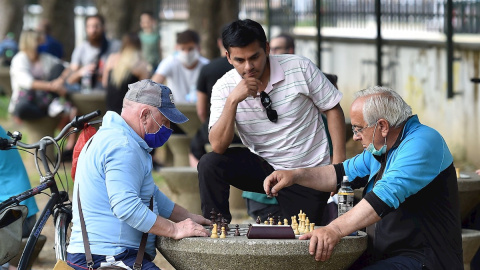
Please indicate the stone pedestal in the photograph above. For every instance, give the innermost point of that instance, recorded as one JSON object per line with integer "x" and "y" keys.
{"x": 468, "y": 192}
{"x": 179, "y": 145}
{"x": 183, "y": 183}
{"x": 5, "y": 86}
{"x": 238, "y": 207}
{"x": 470, "y": 245}
{"x": 190, "y": 111}
{"x": 239, "y": 252}
{"x": 35, "y": 130}
{"x": 89, "y": 102}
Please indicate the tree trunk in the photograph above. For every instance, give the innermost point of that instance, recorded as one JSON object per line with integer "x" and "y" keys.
{"x": 11, "y": 17}
{"x": 207, "y": 17}
{"x": 123, "y": 16}
{"x": 60, "y": 15}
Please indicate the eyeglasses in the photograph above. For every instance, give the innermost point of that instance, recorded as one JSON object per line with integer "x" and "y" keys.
{"x": 356, "y": 129}
{"x": 267, "y": 103}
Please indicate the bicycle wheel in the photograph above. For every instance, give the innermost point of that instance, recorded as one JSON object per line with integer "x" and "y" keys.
{"x": 62, "y": 224}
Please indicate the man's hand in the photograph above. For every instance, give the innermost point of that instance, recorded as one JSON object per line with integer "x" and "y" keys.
{"x": 200, "y": 219}
{"x": 322, "y": 242}
{"x": 87, "y": 69}
{"x": 278, "y": 180}
{"x": 247, "y": 87}
{"x": 187, "y": 228}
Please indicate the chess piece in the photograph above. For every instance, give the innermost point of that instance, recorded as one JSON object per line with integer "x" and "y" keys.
{"x": 213, "y": 215}
{"x": 312, "y": 227}
{"x": 296, "y": 231}
{"x": 279, "y": 222}
{"x": 214, "y": 231}
{"x": 237, "y": 230}
{"x": 271, "y": 221}
{"x": 259, "y": 220}
{"x": 266, "y": 222}
{"x": 285, "y": 221}
{"x": 223, "y": 235}
{"x": 224, "y": 223}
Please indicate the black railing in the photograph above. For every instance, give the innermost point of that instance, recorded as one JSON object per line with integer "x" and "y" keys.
{"x": 416, "y": 15}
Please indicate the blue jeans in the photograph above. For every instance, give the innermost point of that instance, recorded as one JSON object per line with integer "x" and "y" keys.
{"x": 78, "y": 260}
{"x": 396, "y": 263}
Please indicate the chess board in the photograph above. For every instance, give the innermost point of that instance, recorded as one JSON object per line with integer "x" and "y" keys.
{"x": 259, "y": 231}
{"x": 243, "y": 229}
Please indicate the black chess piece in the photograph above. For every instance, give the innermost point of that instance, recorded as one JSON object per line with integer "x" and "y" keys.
{"x": 225, "y": 224}
{"x": 259, "y": 220}
{"x": 237, "y": 230}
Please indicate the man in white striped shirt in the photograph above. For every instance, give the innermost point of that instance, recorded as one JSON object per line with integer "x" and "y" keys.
{"x": 275, "y": 102}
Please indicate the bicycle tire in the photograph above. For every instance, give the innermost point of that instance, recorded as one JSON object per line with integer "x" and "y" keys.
{"x": 62, "y": 224}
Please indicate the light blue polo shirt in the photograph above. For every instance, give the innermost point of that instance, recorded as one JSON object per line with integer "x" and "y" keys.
{"x": 114, "y": 176}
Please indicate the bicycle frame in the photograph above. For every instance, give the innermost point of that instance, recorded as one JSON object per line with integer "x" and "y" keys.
{"x": 56, "y": 204}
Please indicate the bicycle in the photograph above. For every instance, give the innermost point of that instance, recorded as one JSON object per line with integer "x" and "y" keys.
{"x": 59, "y": 203}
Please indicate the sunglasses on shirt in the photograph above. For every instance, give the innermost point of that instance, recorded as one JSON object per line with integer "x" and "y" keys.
{"x": 267, "y": 104}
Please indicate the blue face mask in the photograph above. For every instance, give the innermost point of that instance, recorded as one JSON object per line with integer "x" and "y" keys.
{"x": 371, "y": 147}
{"x": 159, "y": 138}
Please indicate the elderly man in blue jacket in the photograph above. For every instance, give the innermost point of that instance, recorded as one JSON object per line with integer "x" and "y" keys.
{"x": 410, "y": 205}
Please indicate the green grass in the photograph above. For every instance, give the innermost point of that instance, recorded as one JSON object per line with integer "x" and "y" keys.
{"x": 4, "y": 100}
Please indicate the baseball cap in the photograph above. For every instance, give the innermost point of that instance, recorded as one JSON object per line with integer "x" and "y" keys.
{"x": 157, "y": 95}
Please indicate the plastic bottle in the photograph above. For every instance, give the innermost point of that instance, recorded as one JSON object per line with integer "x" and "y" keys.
{"x": 87, "y": 83}
{"x": 345, "y": 197}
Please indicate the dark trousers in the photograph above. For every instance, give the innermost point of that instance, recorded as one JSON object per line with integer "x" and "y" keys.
{"x": 241, "y": 168}
{"x": 396, "y": 263}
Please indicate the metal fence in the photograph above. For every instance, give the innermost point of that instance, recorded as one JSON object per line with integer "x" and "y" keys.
{"x": 414, "y": 15}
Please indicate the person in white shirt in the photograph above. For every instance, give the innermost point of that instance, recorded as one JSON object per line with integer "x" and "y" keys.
{"x": 275, "y": 103}
{"x": 181, "y": 69}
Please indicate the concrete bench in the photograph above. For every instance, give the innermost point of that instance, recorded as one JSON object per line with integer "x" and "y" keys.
{"x": 5, "y": 86}
{"x": 34, "y": 130}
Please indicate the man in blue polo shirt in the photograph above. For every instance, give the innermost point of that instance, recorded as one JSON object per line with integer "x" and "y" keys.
{"x": 115, "y": 184}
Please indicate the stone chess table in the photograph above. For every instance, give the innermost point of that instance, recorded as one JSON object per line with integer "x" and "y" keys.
{"x": 239, "y": 252}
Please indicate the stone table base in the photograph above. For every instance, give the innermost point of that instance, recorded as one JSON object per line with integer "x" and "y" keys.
{"x": 242, "y": 253}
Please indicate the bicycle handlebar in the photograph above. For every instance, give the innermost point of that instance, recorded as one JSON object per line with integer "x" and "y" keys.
{"x": 78, "y": 123}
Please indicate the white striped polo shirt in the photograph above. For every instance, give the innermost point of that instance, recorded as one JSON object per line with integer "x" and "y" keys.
{"x": 299, "y": 92}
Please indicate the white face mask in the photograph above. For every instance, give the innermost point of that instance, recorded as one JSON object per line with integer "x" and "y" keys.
{"x": 188, "y": 58}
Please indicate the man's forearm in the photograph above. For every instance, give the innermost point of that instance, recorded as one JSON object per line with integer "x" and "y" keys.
{"x": 336, "y": 128}
{"x": 221, "y": 134}
{"x": 323, "y": 178}
{"x": 361, "y": 216}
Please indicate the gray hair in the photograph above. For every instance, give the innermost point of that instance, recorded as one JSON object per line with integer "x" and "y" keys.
{"x": 383, "y": 102}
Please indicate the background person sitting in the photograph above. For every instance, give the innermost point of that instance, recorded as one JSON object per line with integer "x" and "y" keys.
{"x": 89, "y": 58}
{"x": 37, "y": 84}
{"x": 122, "y": 69}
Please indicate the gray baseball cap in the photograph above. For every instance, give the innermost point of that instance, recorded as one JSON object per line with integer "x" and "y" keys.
{"x": 157, "y": 95}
